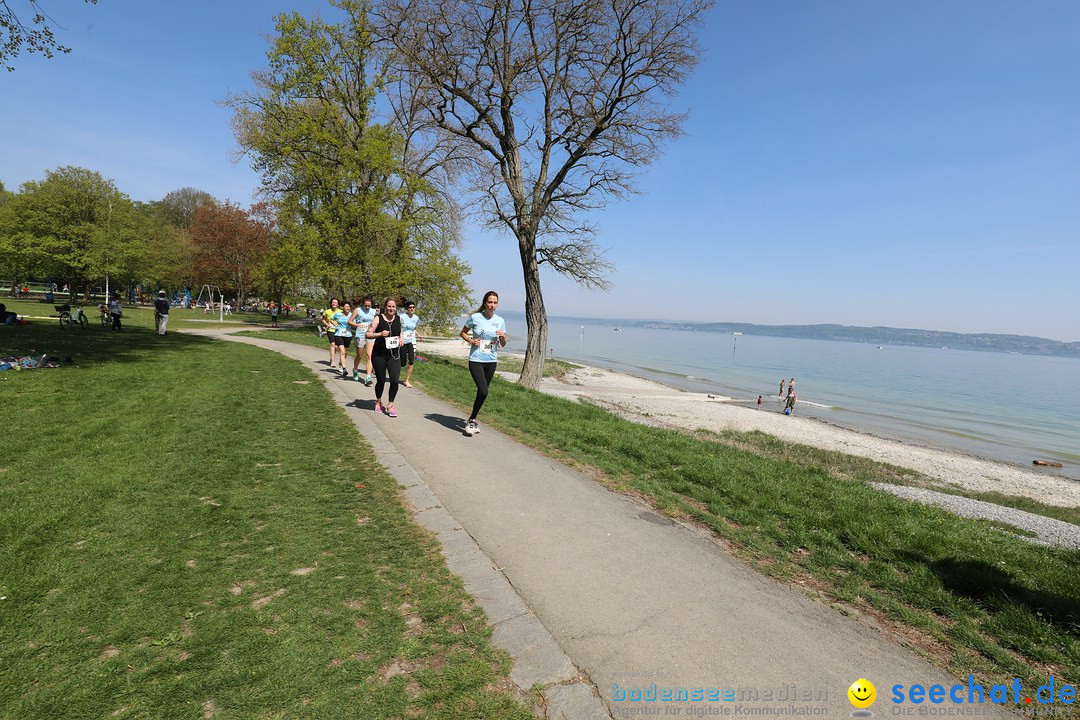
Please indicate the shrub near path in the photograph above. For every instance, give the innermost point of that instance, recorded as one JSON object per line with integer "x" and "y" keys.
{"x": 192, "y": 529}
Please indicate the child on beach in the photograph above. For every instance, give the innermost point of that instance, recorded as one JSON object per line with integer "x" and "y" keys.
{"x": 758, "y": 402}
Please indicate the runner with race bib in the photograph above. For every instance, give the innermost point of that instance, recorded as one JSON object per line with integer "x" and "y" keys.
{"x": 385, "y": 336}
{"x": 486, "y": 333}
{"x": 360, "y": 320}
{"x": 409, "y": 337}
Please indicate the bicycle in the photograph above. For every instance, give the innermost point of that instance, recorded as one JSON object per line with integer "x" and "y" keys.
{"x": 69, "y": 317}
{"x": 106, "y": 321}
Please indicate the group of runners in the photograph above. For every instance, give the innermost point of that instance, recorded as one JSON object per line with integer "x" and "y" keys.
{"x": 388, "y": 340}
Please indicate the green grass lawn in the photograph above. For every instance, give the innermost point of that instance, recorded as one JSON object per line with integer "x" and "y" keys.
{"x": 143, "y": 316}
{"x": 192, "y": 529}
{"x": 972, "y": 597}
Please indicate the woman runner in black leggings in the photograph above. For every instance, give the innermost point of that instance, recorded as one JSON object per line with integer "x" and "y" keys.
{"x": 486, "y": 332}
{"x": 385, "y": 329}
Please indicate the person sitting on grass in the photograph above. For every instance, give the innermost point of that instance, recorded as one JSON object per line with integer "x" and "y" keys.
{"x": 6, "y": 317}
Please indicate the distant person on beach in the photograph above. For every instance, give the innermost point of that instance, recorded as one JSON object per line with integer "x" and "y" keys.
{"x": 789, "y": 406}
{"x": 758, "y": 402}
{"x": 486, "y": 333}
{"x": 781, "y": 393}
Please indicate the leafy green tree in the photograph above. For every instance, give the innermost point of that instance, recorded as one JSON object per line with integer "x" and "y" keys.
{"x": 75, "y": 225}
{"x": 179, "y": 206}
{"x": 345, "y": 197}
{"x": 169, "y": 253}
{"x": 20, "y": 254}
{"x": 16, "y": 35}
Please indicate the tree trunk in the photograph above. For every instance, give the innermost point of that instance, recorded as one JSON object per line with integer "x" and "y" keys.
{"x": 535, "y": 316}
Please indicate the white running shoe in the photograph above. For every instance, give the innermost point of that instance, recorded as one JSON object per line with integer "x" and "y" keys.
{"x": 470, "y": 428}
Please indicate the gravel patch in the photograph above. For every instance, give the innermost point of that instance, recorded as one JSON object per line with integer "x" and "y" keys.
{"x": 1048, "y": 531}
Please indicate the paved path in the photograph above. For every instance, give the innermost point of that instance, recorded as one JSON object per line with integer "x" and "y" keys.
{"x": 630, "y": 597}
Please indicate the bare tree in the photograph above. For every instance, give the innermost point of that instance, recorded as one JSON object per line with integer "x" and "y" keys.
{"x": 556, "y": 104}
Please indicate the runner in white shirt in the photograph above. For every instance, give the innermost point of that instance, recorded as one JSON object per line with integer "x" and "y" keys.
{"x": 409, "y": 337}
{"x": 360, "y": 320}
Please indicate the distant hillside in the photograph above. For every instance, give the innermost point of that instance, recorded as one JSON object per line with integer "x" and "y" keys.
{"x": 891, "y": 336}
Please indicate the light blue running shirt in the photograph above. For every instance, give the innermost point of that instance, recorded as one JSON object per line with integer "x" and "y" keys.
{"x": 484, "y": 330}
{"x": 408, "y": 328}
{"x": 363, "y": 320}
{"x": 342, "y": 321}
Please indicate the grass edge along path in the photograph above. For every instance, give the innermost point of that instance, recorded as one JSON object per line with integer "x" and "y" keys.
{"x": 192, "y": 529}
{"x": 967, "y": 596}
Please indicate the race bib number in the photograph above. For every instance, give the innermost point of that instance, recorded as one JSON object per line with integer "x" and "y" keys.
{"x": 487, "y": 346}
{"x": 410, "y": 335}
{"x": 362, "y": 327}
{"x": 393, "y": 342}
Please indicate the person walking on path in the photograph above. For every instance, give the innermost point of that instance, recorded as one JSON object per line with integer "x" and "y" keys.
{"x": 342, "y": 336}
{"x": 361, "y": 320}
{"x": 486, "y": 333}
{"x": 409, "y": 338}
{"x": 161, "y": 312}
{"x": 274, "y": 309}
{"x": 116, "y": 311}
{"x": 385, "y": 354}
{"x": 329, "y": 326}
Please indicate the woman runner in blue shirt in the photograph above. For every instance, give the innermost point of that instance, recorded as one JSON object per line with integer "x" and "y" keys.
{"x": 486, "y": 332}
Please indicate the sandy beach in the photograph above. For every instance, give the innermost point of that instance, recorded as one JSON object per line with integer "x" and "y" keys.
{"x": 653, "y": 403}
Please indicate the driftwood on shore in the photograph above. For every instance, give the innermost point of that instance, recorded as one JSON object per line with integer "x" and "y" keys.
{"x": 1046, "y": 463}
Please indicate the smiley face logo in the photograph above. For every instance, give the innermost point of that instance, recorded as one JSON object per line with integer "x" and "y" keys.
{"x": 862, "y": 693}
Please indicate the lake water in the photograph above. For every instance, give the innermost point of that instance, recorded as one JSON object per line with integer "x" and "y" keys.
{"x": 1002, "y": 406}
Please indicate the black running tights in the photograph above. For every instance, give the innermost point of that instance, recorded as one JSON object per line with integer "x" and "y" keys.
{"x": 482, "y": 373}
{"x": 382, "y": 365}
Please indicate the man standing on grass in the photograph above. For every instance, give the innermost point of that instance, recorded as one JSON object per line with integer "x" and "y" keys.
{"x": 116, "y": 311}
{"x": 161, "y": 312}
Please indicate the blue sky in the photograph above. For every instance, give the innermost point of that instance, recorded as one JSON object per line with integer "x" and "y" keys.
{"x": 907, "y": 164}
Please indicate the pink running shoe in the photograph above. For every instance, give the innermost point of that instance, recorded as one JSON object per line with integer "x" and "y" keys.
{"x": 378, "y": 406}
{"x": 391, "y": 411}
